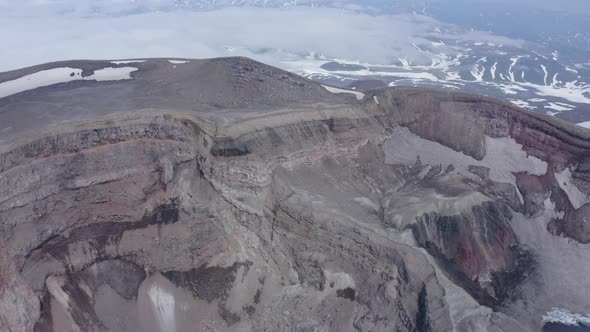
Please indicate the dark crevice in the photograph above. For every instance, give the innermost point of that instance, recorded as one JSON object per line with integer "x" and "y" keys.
{"x": 422, "y": 318}
{"x": 347, "y": 293}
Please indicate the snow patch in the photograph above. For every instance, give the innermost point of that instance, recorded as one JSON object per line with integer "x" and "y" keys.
{"x": 493, "y": 70}
{"x": 570, "y": 91}
{"x": 478, "y": 72}
{"x": 358, "y": 95}
{"x": 566, "y": 317}
{"x": 560, "y": 107}
{"x": 54, "y": 288}
{"x": 522, "y": 104}
{"x": 555, "y": 81}
{"x": 178, "y": 62}
{"x": 545, "y": 74}
{"x": 124, "y": 62}
{"x": 453, "y": 76}
{"x": 576, "y": 197}
{"x": 61, "y": 75}
{"x": 39, "y": 79}
{"x": 584, "y": 124}
{"x": 404, "y": 62}
{"x": 511, "y": 89}
{"x": 164, "y": 306}
{"x": 111, "y": 74}
{"x": 513, "y": 62}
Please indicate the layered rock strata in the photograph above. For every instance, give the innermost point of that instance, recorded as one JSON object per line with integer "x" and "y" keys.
{"x": 227, "y": 195}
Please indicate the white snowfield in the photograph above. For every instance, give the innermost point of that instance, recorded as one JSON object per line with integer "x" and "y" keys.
{"x": 178, "y": 62}
{"x": 444, "y": 71}
{"x": 584, "y": 124}
{"x": 560, "y": 107}
{"x": 164, "y": 306}
{"x": 358, "y": 95}
{"x": 111, "y": 74}
{"x": 62, "y": 75}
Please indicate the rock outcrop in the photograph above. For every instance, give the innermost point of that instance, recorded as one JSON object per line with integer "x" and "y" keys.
{"x": 228, "y": 195}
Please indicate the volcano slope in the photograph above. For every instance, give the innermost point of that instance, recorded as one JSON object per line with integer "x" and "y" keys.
{"x": 227, "y": 195}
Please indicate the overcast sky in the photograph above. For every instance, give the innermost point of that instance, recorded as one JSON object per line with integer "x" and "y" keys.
{"x": 578, "y": 7}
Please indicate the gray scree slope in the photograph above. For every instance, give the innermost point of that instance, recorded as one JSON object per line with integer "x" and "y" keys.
{"x": 227, "y": 195}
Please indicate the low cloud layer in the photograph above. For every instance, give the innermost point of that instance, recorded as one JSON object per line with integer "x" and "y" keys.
{"x": 265, "y": 34}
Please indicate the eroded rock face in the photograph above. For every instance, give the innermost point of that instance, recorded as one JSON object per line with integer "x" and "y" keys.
{"x": 227, "y": 195}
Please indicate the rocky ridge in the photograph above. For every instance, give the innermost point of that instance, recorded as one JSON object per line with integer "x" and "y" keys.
{"x": 228, "y": 195}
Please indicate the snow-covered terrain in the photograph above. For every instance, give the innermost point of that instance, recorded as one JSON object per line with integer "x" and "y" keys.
{"x": 62, "y": 75}
{"x": 566, "y": 317}
{"x": 522, "y": 77}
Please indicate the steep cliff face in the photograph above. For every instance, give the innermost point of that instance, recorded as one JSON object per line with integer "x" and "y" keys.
{"x": 228, "y": 195}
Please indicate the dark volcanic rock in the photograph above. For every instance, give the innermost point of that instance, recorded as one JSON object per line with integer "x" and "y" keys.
{"x": 479, "y": 250}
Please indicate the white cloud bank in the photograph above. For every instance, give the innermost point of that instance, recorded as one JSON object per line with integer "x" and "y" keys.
{"x": 265, "y": 34}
